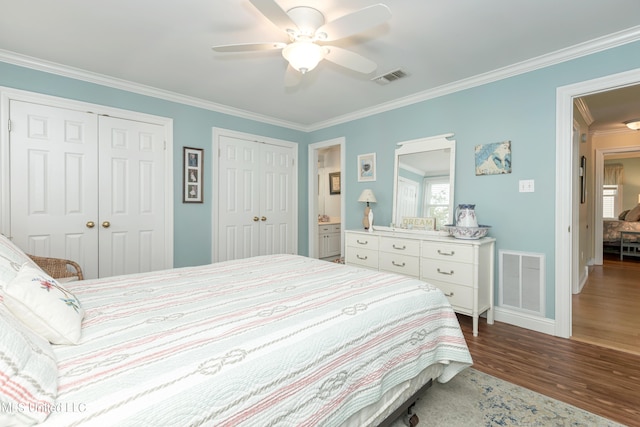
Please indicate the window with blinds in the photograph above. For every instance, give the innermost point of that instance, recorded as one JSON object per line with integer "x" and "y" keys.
{"x": 610, "y": 201}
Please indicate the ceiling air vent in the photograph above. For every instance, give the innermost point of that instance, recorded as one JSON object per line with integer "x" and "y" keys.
{"x": 390, "y": 77}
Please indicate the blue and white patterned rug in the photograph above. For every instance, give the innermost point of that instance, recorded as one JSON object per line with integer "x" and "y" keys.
{"x": 473, "y": 398}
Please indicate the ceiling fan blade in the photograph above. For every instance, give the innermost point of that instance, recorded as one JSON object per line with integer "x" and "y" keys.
{"x": 354, "y": 23}
{"x": 249, "y": 47}
{"x": 351, "y": 60}
{"x": 292, "y": 77}
{"x": 274, "y": 13}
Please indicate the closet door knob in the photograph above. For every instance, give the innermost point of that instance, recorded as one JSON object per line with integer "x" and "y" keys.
{"x": 255, "y": 218}
{"x": 91, "y": 224}
{"x": 264, "y": 218}
{"x": 106, "y": 224}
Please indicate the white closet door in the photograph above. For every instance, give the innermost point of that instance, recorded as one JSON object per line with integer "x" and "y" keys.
{"x": 239, "y": 199}
{"x": 53, "y": 182}
{"x": 132, "y": 229}
{"x": 255, "y": 198}
{"x": 276, "y": 191}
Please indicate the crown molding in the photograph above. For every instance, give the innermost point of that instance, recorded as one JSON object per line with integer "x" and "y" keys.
{"x": 583, "y": 49}
{"x": 116, "y": 83}
{"x": 618, "y": 131}
{"x": 584, "y": 110}
{"x": 577, "y": 51}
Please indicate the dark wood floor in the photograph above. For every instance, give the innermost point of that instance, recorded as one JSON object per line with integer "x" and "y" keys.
{"x": 597, "y": 379}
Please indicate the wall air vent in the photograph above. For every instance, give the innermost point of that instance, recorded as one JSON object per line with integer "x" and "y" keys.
{"x": 390, "y": 77}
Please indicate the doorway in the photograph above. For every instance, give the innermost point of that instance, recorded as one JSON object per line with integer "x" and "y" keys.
{"x": 321, "y": 201}
{"x": 566, "y": 199}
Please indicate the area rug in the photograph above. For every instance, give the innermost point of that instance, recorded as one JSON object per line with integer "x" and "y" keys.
{"x": 473, "y": 398}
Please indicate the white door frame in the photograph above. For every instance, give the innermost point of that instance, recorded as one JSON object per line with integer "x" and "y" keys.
{"x": 7, "y": 94}
{"x": 216, "y": 133}
{"x": 313, "y": 192}
{"x": 599, "y": 182}
{"x": 565, "y": 222}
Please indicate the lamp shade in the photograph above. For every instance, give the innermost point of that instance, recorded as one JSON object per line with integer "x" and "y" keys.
{"x": 303, "y": 56}
{"x": 367, "y": 196}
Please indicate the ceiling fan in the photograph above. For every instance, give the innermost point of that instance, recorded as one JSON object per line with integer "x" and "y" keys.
{"x": 306, "y": 27}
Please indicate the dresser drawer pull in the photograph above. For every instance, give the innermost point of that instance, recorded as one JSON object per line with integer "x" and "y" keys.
{"x": 448, "y": 273}
{"x": 446, "y": 253}
{"x": 448, "y": 294}
{"x": 362, "y": 257}
{"x": 399, "y": 248}
{"x": 366, "y": 242}
{"x": 398, "y": 265}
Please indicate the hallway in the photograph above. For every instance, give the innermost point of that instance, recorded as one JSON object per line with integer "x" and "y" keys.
{"x": 607, "y": 311}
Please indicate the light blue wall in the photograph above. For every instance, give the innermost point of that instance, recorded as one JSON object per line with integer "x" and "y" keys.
{"x": 191, "y": 127}
{"x": 520, "y": 109}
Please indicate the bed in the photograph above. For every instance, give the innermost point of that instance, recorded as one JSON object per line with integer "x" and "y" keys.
{"x": 612, "y": 230}
{"x": 268, "y": 341}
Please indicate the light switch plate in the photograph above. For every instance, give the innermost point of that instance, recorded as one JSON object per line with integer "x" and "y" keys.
{"x": 526, "y": 185}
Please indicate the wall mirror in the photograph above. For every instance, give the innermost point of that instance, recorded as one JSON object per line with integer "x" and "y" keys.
{"x": 424, "y": 174}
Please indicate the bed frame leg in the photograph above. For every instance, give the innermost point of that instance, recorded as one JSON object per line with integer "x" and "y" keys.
{"x": 411, "y": 419}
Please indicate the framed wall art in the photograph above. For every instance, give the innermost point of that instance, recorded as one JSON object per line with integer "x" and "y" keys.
{"x": 192, "y": 178}
{"x": 367, "y": 167}
{"x": 583, "y": 179}
{"x": 493, "y": 159}
{"x": 334, "y": 183}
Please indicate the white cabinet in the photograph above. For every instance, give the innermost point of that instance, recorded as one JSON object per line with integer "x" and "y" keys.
{"x": 328, "y": 240}
{"x": 462, "y": 269}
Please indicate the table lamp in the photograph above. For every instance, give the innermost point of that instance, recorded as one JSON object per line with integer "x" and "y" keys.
{"x": 368, "y": 197}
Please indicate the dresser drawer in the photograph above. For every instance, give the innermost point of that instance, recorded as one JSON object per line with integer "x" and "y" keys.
{"x": 447, "y": 271}
{"x": 402, "y": 264}
{"x": 328, "y": 228}
{"x": 362, "y": 257}
{"x": 400, "y": 246}
{"x": 460, "y": 297}
{"x": 362, "y": 241}
{"x": 447, "y": 252}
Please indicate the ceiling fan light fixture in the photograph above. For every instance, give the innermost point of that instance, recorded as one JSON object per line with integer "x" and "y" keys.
{"x": 303, "y": 56}
{"x": 633, "y": 124}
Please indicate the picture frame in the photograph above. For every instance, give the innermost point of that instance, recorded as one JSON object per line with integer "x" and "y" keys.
{"x": 583, "y": 179}
{"x": 193, "y": 159}
{"x": 367, "y": 167}
{"x": 334, "y": 183}
{"x": 493, "y": 158}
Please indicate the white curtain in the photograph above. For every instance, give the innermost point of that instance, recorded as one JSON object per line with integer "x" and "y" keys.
{"x": 613, "y": 174}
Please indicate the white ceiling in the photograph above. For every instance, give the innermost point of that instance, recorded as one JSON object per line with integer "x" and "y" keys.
{"x": 442, "y": 45}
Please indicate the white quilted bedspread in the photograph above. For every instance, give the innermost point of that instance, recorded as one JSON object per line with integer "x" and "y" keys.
{"x": 268, "y": 341}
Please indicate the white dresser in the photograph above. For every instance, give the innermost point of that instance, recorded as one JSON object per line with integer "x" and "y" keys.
{"x": 462, "y": 269}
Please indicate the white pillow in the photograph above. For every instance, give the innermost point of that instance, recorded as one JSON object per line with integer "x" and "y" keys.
{"x": 44, "y": 305}
{"x": 11, "y": 258}
{"x": 29, "y": 384}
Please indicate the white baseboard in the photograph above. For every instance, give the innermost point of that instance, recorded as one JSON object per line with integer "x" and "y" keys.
{"x": 527, "y": 321}
{"x": 583, "y": 279}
